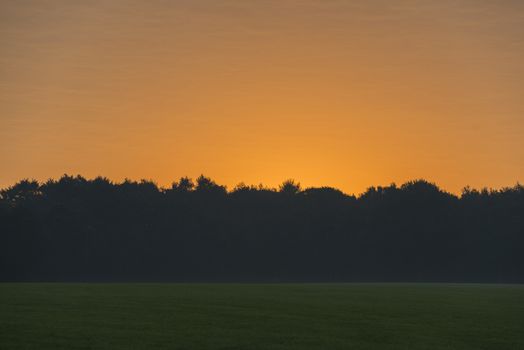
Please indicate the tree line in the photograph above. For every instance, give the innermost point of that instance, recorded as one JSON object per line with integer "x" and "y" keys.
{"x": 77, "y": 229}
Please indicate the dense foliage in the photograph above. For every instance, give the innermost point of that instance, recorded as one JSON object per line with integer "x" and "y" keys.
{"x": 74, "y": 229}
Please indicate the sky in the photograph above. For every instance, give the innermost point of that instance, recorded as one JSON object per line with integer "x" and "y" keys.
{"x": 331, "y": 93}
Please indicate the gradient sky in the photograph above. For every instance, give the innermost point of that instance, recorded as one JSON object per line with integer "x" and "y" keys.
{"x": 339, "y": 93}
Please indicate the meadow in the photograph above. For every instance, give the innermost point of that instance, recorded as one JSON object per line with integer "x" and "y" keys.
{"x": 261, "y": 316}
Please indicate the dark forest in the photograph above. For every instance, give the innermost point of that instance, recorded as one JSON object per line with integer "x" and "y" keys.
{"x": 75, "y": 229}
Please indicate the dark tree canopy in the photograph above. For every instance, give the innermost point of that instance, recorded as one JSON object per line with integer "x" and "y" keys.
{"x": 75, "y": 229}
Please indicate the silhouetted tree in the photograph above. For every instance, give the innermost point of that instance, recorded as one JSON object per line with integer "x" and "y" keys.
{"x": 290, "y": 187}
{"x": 184, "y": 185}
{"x": 76, "y": 229}
{"x": 206, "y": 185}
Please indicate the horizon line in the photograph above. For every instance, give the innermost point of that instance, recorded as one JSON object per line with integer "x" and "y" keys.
{"x": 262, "y": 186}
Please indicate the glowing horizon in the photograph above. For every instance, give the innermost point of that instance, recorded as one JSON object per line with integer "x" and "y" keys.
{"x": 327, "y": 93}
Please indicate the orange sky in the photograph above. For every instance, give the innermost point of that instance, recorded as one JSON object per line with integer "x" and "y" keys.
{"x": 327, "y": 92}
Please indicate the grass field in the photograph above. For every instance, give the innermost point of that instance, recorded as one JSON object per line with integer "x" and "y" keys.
{"x": 261, "y": 316}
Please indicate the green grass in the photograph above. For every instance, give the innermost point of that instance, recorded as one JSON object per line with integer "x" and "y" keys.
{"x": 261, "y": 316}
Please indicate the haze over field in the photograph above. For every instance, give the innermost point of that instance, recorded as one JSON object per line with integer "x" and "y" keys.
{"x": 334, "y": 93}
